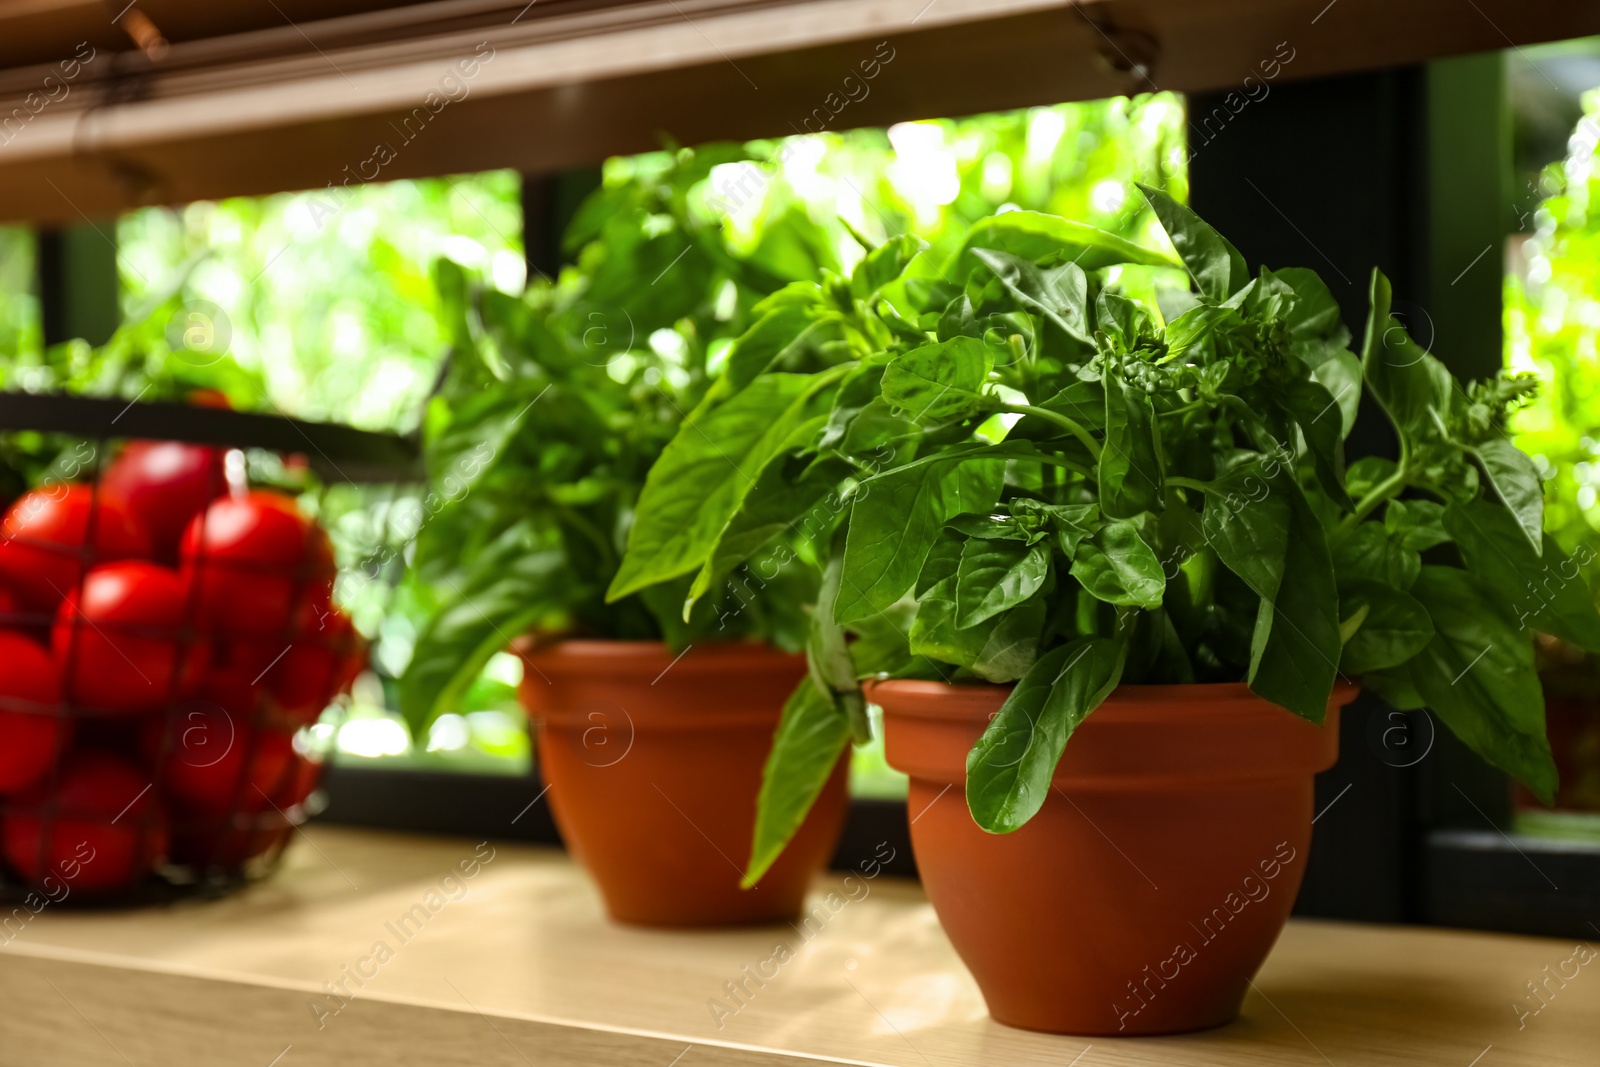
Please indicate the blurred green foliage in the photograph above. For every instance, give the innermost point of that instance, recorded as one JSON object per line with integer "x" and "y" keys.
{"x": 1552, "y": 319}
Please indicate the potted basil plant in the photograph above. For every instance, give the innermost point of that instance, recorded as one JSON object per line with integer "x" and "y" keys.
{"x": 1098, "y": 555}
{"x": 653, "y": 724}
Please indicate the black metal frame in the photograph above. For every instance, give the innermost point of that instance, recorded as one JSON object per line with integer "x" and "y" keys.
{"x": 337, "y": 453}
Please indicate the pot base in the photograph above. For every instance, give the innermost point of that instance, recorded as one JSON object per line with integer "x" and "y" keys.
{"x": 1154, "y": 880}
{"x": 654, "y": 763}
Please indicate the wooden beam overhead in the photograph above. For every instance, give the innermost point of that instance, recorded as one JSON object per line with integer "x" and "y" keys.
{"x": 395, "y": 91}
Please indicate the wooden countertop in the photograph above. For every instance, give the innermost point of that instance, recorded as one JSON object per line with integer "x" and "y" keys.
{"x": 517, "y": 965}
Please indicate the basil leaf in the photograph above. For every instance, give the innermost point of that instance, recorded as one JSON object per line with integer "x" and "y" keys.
{"x": 939, "y": 381}
{"x": 1247, "y": 525}
{"x": 1371, "y": 552}
{"x": 828, "y": 654}
{"x": 1366, "y": 473}
{"x": 704, "y": 474}
{"x": 944, "y": 558}
{"x": 1071, "y": 522}
{"x": 1192, "y": 328}
{"x": 1122, "y": 320}
{"x": 1546, "y": 592}
{"x": 994, "y": 575}
{"x": 1216, "y": 266}
{"x": 1082, "y": 402}
{"x": 1118, "y": 567}
{"x": 999, "y": 649}
{"x": 1340, "y": 375}
{"x": 993, "y": 528}
{"x": 874, "y": 427}
{"x": 1477, "y": 674}
{"x": 1396, "y": 688}
{"x": 1316, "y": 412}
{"x": 1412, "y": 386}
{"x": 769, "y": 340}
{"x": 884, "y": 264}
{"x": 812, "y": 733}
{"x": 897, "y": 516}
{"x": 1315, "y": 312}
{"x": 1034, "y": 236}
{"x": 1010, "y": 769}
{"x": 1516, "y": 479}
{"x": 775, "y": 506}
{"x": 1416, "y": 524}
{"x": 1393, "y": 627}
{"x": 1130, "y": 476}
{"x": 497, "y": 604}
{"x": 1295, "y": 650}
{"x": 1060, "y": 294}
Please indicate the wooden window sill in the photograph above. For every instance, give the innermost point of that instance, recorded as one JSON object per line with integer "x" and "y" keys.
{"x": 524, "y": 968}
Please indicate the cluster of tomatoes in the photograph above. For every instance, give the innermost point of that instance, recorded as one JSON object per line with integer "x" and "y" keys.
{"x": 163, "y": 636}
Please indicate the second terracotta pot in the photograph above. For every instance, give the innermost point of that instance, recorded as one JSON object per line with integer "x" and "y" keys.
{"x": 653, "y": 764}
{"x": 1151, "y": 885}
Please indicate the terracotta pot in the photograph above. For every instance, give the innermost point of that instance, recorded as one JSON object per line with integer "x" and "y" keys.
{"x": 1150, "y": 886}
{"x": 654, "y": 763}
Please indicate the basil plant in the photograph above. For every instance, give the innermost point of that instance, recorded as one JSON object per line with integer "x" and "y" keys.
{"x": 1018, "y": 468}
{"x": 551, "y": 409}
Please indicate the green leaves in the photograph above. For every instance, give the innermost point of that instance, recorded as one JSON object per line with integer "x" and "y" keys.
{"x": 999, "y": 649}
{"x": 1248, "y": 527}
{"x": 812, "y": 733}
{"x": 499, "y": 602}
{"x": 703, "y": 476}
{"x": 1060, "y": 294}
{"x": 1263, "y": 530}
{"x": 769, "y": 341}
{"x": 1545, "y": 592}
{"x": 1033, "y": 236}
{"x": 1317, "y": 414}
{"x": 1294, "y": 654}
{"x": 1477, "y": 674}
{"x": 1118, "y": 567}
{"x": 939, "y": 381}
{"x": 1516, "y": 479}
{"x": 1131, "y": 476}
{"x": 1010, "y": 768}
{"x": 995, "y": 575}
{"x": 1391, "y": 627}
{"x": 1413, "y": 387}
{"x": 884, "y": 264}
{"x": 1216, "y": 266}
{"x": 897, "y": 515}
{"x": 1371, "y": 551}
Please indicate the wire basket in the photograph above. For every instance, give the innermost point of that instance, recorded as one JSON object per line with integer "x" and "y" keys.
{"x": 167, "y": 637}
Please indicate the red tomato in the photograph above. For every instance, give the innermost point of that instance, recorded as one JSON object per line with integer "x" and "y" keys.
{"x": 300, "y": 783}
{"x": 32, "y": 730}
{"x": 163, "y": 485}
{"x": 203, "y": 749}
{"x": 256, "y": 559}
{"x": 42, "y": 536}
{"x": 123, "y": 647}
{"x": 252, "y": 831}
{"x": 105, "y": 830}
{"x": 226, "y": 844}
{"x": 304, "y": 677}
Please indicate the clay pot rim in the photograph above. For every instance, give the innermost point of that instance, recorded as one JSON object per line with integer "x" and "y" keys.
{"x": 945, "y": 701}
{"x": 638, "y": 666}
{"x": 586, "y": 654}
